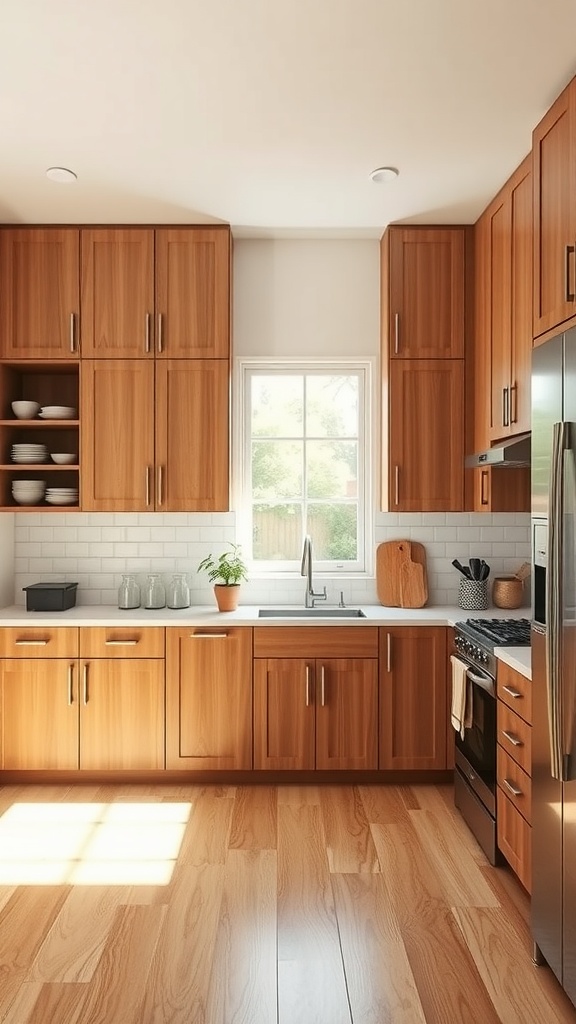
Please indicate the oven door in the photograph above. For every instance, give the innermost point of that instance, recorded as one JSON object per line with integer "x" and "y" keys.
{"x": 476, "y": 751}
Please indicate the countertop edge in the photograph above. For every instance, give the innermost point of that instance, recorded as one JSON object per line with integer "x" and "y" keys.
{"x": 519, "y": 658}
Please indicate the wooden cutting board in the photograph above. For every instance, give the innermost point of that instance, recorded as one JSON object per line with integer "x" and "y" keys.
{"x": 401, "y": 580}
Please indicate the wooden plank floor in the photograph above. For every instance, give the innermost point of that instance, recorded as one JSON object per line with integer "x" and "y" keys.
{"x": 258, "y": 905}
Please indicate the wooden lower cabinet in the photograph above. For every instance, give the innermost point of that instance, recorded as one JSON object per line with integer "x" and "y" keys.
{"x": 513, "y": 771}
{"x": 209, "y": 698}
{"x": 122, "y": 714}
{"x": 316, "y": 713}
{"x": 514, "y": 839}
{"x": 413, "y": 697}
{"x": 39, "y": 713}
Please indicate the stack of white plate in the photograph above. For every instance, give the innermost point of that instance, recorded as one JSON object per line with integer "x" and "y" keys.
{"x": 62, "y": 495}
{"x": 57, "y": 412}
{"x": 28, "y": 492}
{"x": 29, "y": 453}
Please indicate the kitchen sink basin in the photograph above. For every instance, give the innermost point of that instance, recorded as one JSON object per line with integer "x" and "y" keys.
{"x": 311, "y": 613}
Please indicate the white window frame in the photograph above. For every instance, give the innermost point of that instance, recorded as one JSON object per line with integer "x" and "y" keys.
{"x": 244, "y": 369}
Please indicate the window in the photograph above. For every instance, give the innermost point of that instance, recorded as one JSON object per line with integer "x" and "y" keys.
{"x": 304, "y": 464}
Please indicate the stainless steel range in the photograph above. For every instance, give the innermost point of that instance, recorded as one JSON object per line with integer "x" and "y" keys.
{"x": 475, "y": 774}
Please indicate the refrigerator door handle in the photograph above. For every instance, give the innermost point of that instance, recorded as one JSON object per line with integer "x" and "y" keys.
{"x": 567, "y": 676}
{"x": 554, "y": 591}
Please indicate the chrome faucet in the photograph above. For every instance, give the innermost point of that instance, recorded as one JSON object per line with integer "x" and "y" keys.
{"x": 310, "y": 597}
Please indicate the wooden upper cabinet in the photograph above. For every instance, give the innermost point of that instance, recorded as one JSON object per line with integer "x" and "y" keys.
{"x": 426, "y": 435}
{"x": 192, "y": 425}
{"x": 413, "y": 697}
{"x": 554, "y": 154}
{"x": 423, "y": 292}
{"x": 39, "y": 293}
{"x": 117, "y": 292}
{"x": 209, "y": 698}
{"x": 117, "y": 442}
{"x": 193, "y": 293}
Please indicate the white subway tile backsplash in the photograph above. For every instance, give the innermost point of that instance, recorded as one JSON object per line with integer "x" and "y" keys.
{"x": 96, "y": 548}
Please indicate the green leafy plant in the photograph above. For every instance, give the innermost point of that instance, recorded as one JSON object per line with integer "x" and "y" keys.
{"x": 228, "y": 571}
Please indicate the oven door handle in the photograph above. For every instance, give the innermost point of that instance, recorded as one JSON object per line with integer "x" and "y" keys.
{"x": 486, "y": 682}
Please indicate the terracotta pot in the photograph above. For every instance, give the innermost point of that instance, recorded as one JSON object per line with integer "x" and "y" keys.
{"x": 227, "y": 597}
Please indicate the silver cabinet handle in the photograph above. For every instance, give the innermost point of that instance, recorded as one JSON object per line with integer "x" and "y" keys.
{"x": 322, "y": 687}
{"x": 513, "y": 403}
{"x": 208, "y": 636}
{"x": 148, "y": 471}
{"x": 72, "y": 332}
{"x": 307, "y": 688}
{"x": 396, "y": 485}
{"x": 483, "y": 491}
{"x": 388, "y": 652}
{"x": 70, "y": 685}
{"x": 121, "y": 643}
{"x": 512, "y": 738}
{"x": 396, "y": 333}
{"x": 160, "y": 497}
{"x": 147, "y": 333}
{"x": 31, "y": 643}
{"x": 568, "y": 295}
{"x": 85, "y": 684}
{"x": 513, "y": 693}
{"x": 160, "y": 338}
{"x": 513, "y": 789}
{"x": 505, "y": 408}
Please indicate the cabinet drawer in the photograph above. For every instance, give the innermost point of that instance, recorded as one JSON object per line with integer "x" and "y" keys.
{"x": 316, "y": 642}
{"x": 122, "y": 642}
{"x": 515, "y": 736}
{"x": 514, "y": 839}
{"x": 515, "y": 784}
{"x": 515, "y": 690}
{"x": 39, "y": 642}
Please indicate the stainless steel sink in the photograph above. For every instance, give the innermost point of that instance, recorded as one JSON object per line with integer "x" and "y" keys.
{"x": 311, "y": 613}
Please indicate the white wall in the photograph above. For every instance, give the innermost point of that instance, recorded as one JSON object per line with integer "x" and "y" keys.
{"x": 291, "y": 298}
{"x": 6, "y": 557}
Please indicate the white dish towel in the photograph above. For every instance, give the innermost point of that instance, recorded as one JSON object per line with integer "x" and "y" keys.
{"x": 461, "y": 714}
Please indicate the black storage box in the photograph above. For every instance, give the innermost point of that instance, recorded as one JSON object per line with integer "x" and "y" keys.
{"x": 50, "y": 597}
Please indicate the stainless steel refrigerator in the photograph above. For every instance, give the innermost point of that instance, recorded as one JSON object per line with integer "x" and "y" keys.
{"x": 554, "y": 657}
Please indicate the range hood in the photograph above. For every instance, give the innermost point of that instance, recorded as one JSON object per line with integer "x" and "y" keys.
{"x": 513, "y": 452}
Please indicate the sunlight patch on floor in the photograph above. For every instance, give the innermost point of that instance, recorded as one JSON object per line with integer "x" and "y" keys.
{"x": 91, "y": 844}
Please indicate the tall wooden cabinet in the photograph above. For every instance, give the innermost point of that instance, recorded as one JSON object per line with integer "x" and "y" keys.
{"x": 423, "y": 344}
{"x": 209, "y": 698}
{"x": 413, "y": 697}
{"x": 554, "y": 154}
{"x": 39, "y": 293}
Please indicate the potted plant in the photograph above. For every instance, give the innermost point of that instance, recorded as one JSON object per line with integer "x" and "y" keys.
{"x": 226, "y": 573}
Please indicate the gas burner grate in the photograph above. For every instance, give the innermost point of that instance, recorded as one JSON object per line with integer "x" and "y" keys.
{"x": 502, "y": 632}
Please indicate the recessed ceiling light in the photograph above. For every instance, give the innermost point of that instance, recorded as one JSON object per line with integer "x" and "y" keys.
{"x": 383, "y": 174}
{"x": 61, "y": 174}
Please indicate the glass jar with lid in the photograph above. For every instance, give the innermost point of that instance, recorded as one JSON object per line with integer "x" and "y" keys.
{"x": 128, "y": 592}
{"x": 154, "y": 593}
{"x": 178, "y": 591}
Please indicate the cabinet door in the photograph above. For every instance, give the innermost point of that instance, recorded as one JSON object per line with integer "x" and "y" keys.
{"x": 39, "y": 293}
{"x": 122, "y": 714}
{"x": 117, "y": 292}
{"x": 39, "y": 714}
{"x": 193, "y": 293}
{"x": 554, "y": 156}
{"x": 117, "y": 435}
{"x": 521, "y": 299}
{"x": 284, "y": 714}
{"x": 209, "y": 698}
{"x": 500, "y": 317}
{"x": 192, "y": 435}
{"x": 426, "y": 293}
{"x": 426, "y": 425}
{"x": 413, "y": 697}
{"x": 502, "y": 490}
{"x": 347, "y": 713}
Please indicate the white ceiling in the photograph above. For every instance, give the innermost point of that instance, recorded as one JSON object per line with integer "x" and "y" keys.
{"x": 270, "y": 114}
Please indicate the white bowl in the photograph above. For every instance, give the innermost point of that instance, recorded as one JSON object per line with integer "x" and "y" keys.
{"x": 57, "y": 412}
{"x": 25, "y": 410}
{"x": 63, "y": 458}
{"x": 27, "y": 499}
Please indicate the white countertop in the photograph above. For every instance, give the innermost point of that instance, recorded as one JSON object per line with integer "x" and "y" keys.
{"x": 519, "y": 658}
{"x": 245, "y": 615}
